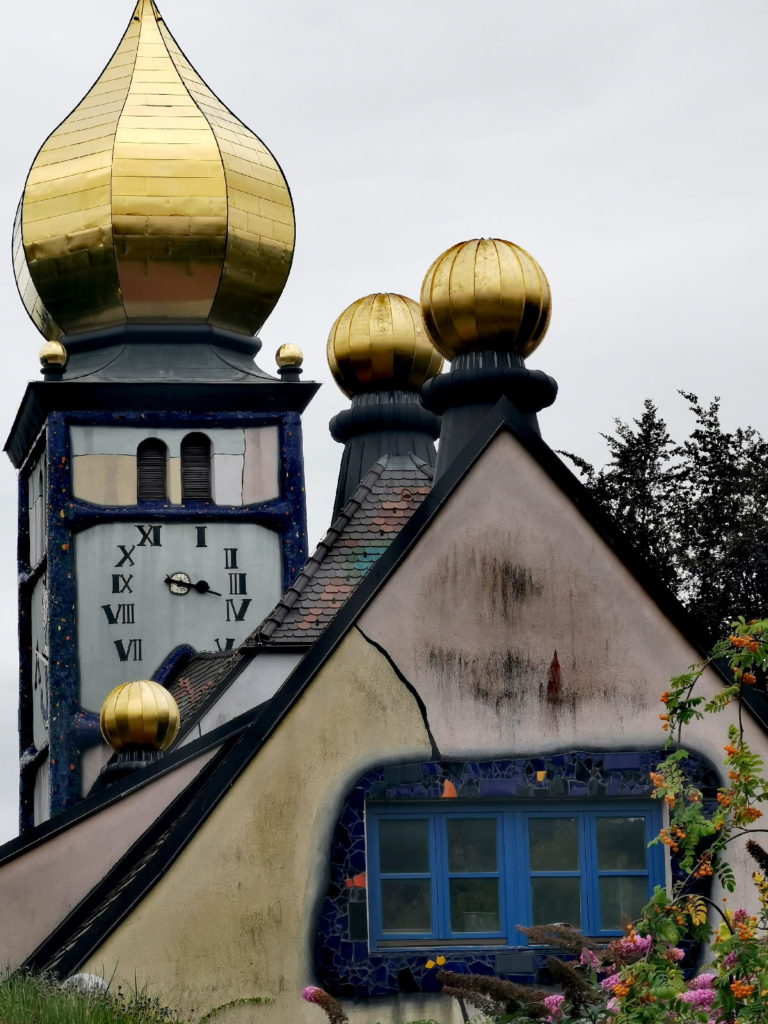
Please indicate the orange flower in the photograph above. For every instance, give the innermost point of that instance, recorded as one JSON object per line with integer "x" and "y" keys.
{"x": 665, "y": 697}
{"x": 748, "y": 678}
{"x": 741, "y": 989}
{"x": 669, "y": 800}
{"x": 730, "y": 751}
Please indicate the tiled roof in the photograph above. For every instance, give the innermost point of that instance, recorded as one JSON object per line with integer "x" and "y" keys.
{"x": 379, "y": 508}
{"x": 197, "y": 680}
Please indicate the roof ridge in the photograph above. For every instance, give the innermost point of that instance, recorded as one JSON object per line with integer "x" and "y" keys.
{"x": 262, "y": 633}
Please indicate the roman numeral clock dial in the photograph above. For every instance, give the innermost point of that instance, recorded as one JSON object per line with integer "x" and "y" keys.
{"x": 145, "y": 588}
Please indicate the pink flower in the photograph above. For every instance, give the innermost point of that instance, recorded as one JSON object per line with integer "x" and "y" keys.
{"x": 674, "y": 953}
{"x": 312, "y": 993}
{"x": 610, "y": 981}
{"x": 555, "y": 1006}
{"x": 702, "y": 981}
{"x": 588, "y": 959}
{"x": 701, "y": 998}
{"x": 740, "y": 915}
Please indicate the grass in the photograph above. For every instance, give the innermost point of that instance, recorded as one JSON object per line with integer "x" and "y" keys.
{"x": 32, "y": 1000}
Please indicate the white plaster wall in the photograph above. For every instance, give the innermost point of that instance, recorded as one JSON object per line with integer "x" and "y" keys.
{"x": 105, "y": 479}
{"x": 227, "y": 479}
{"x": 524, "y": 633}
{"x": 237, "y": 907}
{"x": 260, "y": 680}
{"x": 100, "y": 440}
{"x": 92, "y": 761}
{"x": 244, "y": 464}
{"x": 36, "y": 507}
{"x": 39, "y": 888}
{"x": 508, "y": 574}
{"x": 260, "y": 479}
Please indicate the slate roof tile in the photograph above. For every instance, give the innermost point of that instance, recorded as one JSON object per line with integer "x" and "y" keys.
{"x": 379, "y": 508}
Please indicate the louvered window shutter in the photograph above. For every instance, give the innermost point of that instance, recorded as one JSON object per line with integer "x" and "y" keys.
{"x": 195, "y": 468}
{"x": 151, "y": 457}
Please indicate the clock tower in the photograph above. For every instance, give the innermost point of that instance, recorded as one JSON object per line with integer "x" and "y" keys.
{"x": 161, "y": 486}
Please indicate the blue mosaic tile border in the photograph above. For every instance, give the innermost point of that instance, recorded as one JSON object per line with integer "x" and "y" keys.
{"x": 345, "y": 965}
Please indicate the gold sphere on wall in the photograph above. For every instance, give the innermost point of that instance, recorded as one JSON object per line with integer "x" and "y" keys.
{"x": 486, "y": 294}
{"x": 139, "y": 714}
{"x": 289, "y": 355}
{"x": 380, "y": 343}
{"x": 53, "y": 353}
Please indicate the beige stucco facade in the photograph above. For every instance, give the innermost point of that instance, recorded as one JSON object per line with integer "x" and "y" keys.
{"x": 522, "y": 633}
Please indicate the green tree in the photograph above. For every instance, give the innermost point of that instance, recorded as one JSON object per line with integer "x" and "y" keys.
{"x": 696, "y": 510}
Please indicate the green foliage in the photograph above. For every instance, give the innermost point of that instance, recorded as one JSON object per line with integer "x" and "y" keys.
{"x": 34, "y": 1000}
{"x": 695, "y": 509}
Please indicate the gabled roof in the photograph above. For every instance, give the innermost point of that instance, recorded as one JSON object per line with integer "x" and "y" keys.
{"x": 377, "y": 511}
{"x": 381, "y": 505}
{"x": 86, "y": 928}
{"x": 198, "y": 679}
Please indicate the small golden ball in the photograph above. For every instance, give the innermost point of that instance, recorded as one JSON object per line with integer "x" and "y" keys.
{"x": 380, "y": 343}
{"x": 289, "y": 355}
{"x": 139, "y": 714}
{"x": 53, "y": 353}
{"x": 486, "y": 294}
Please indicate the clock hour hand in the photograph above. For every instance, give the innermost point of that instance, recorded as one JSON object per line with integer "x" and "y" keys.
{"x": 203, "y": 587}
{"x": 180, "y": 583}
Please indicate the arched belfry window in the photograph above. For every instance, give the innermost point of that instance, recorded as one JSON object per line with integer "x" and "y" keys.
{"x": 196, "y": 468}
{"x": 151, "y": 458}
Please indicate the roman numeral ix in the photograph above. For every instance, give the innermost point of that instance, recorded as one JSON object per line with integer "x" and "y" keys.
{"x": 121, "y": 584}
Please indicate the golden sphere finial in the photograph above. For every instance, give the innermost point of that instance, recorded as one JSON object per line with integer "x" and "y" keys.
{"x": 380, "y": 343}
{"x": 141, "y": 714}
{"x": 289, "y": 355}
{"x": 53, "y": 355}
{"x": 486, "y": 294}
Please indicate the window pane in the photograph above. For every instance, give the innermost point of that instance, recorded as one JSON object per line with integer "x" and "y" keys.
{"x": 621, "y": 844}
{"x": 405, "y": 905}
{"x": 553, "y": 844}
{"x": 621, "y": 900}
{"x": 556, "y": 901}
{"x": 471, "y": 844}
{"x": 474, "y": 904}
{"x": 404, "y": 846}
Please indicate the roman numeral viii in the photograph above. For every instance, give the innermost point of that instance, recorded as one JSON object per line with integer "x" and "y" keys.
{"x": 237, "y": 614}
{"x": 123, "y": 614}
{"x": 130, "y": 651}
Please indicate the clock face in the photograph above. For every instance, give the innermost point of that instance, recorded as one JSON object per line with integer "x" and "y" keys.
{"x": 145, "y": 588}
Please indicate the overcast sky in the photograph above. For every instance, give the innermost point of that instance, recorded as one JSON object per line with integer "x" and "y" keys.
{"x": 622, "y": 142}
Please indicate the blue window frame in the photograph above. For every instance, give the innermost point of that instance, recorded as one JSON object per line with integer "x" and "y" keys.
{"x": 469, "y": 873}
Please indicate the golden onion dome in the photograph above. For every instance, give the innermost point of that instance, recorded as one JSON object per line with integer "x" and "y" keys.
{"x": 139, "y": 714}
{"x": 486, "y": 294}
{"x": 152, "y": 203}
{"x": 380, "y": 343}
